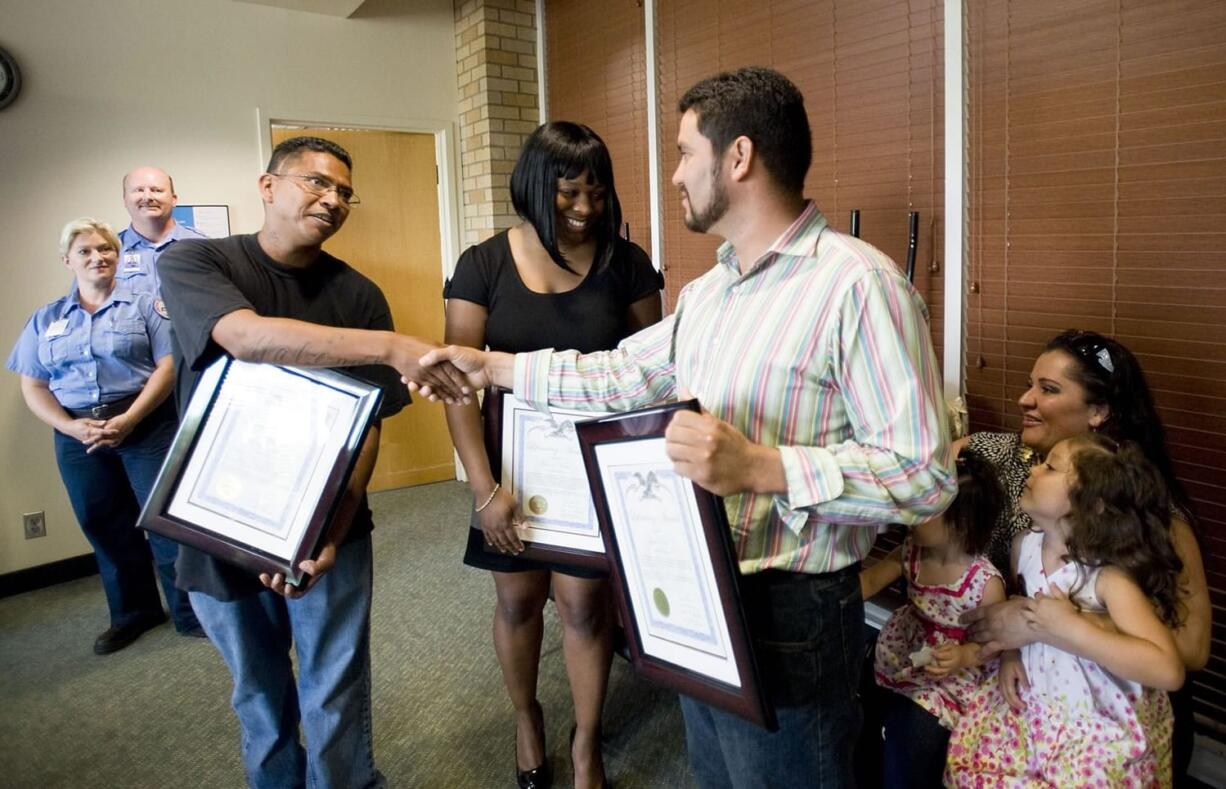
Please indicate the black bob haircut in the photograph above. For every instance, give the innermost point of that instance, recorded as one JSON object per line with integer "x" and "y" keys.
{"x": 562, "y": 149}
{"x": 287, "y": 149}
{"x": 763, "y": 105}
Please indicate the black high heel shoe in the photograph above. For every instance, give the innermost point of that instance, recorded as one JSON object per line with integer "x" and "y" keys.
{"x": 539, "y": 777}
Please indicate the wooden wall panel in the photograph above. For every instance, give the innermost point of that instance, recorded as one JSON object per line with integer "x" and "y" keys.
{"x": 1098, "y": 172}
{"x": 871, "y": 74}
{"x": 596, "y": 73}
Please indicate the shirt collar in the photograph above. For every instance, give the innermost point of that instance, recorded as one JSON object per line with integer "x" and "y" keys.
{"x": 121, "y": 294}
{"x": 799, "y": 240}
{"x": 70, "y": 302}
{"x": 131, "y": 239}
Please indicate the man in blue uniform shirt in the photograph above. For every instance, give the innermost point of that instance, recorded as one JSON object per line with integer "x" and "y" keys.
{"x": 149, "y": 195}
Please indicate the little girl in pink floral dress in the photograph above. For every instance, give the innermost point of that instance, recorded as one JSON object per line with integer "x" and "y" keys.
{"x": 1081, "y": 706}
{"x": 920, "y": 652}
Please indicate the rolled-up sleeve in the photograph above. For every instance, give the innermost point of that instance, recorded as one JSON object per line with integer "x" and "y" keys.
{"x": 895, "y": 467}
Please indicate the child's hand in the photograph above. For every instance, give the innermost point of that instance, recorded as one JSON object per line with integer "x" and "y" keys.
{"x": 1013, "y": 681}
{"x": 1051, "y": 612}
{"x": 948, "y": 658}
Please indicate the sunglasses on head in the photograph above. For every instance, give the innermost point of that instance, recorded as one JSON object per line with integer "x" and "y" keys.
{"x": 1093, "y": 350}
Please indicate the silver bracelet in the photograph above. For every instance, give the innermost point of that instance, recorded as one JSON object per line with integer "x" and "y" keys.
{"x": 493, "y": 492}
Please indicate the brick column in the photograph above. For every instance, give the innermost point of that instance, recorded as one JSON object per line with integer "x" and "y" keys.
{"x": 496, "y": 62}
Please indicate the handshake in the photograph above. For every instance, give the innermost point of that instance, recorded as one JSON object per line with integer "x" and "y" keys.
{"x": 449, "y": 373}
{"x": 702, "y": 447}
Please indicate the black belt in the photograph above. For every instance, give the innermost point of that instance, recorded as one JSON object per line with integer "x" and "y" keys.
{"x": 103, "y": 410}
{"x": 774, "y": 577}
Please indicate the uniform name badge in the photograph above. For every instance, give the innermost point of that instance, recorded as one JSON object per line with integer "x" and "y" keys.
{"x": 56, "y": 328}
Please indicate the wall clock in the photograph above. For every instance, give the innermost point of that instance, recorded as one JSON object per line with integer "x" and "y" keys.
{"x": 10, "y": 78}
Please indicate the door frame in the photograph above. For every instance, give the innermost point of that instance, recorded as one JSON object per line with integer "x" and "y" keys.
{"x": 446, "y": 159}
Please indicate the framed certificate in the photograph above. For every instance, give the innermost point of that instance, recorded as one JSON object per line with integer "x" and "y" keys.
{"x": 539, "y": 463}
{"x": 259, "y": 463}
{"x": 672, "y": 563}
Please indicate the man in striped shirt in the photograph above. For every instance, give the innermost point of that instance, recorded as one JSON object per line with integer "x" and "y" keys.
{"x": 810, "y": 353}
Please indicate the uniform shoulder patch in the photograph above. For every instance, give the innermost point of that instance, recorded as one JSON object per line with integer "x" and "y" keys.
{"x": 159, "y": 307}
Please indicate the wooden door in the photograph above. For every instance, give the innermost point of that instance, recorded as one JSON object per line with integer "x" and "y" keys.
{"x": 393, "y": 238}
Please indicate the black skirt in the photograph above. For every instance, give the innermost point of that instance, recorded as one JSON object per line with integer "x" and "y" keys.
{"x": 477, "y": 555}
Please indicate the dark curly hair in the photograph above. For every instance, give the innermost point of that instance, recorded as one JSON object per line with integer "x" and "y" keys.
{"x": 1120, "y": 512}
{"x": 973, "y": 513}
{"x": 1111, "y": 376}
{"x": 763, "y": 105}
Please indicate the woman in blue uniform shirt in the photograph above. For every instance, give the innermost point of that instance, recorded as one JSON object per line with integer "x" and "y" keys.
{"x": 96, "y": 366}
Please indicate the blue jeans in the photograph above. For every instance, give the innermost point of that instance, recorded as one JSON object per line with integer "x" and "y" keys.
{"x": 107, "y": 489}
{"x": 915, "y": 744}
{"x": 329, "y": 627}
{"x": 807, "y": 634}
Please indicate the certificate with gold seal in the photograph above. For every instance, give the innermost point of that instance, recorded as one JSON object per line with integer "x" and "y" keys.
{"x": 672, "y": 563}
{"x": 260, "y": 460}
{"x": 541, "y": 466}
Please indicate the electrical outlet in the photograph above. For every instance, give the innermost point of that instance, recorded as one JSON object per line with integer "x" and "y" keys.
{"x": 35, "y": 524}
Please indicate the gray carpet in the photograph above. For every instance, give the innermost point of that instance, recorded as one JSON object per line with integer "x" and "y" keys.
{"x": 157, "y": 714}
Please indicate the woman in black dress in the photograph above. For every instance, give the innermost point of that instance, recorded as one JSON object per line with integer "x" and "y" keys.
{"x": 561, "y": 278}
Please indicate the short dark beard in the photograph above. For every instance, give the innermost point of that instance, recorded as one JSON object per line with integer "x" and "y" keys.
{"x": 717, "y": 206}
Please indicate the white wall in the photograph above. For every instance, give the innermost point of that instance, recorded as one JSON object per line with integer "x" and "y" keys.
{"x": 174, "y": 84}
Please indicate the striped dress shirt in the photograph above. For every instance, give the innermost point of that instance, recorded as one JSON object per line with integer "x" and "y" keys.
{"x": 820, "y": 349}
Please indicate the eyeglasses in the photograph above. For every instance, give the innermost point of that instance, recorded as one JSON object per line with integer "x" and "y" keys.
{"x": 319, "y": 185}
{"x": 1093, "y": 350}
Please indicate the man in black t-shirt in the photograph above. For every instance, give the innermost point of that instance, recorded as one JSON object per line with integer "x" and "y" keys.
{"x": 277, "y": 297}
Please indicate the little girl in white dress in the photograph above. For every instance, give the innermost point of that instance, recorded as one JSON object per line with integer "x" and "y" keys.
{"x": 1081, "y": 707}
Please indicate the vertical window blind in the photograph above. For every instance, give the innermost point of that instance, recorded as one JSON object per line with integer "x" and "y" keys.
{"x": 596, "y": 73}
{"x": 871, "y": 74}
{"x": 1097, "y": 167}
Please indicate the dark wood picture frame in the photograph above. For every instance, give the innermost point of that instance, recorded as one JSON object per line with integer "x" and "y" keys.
{"x": 749, "y": 700}
{"x": 155, "y": 515}
{"x": 493, "y": 408}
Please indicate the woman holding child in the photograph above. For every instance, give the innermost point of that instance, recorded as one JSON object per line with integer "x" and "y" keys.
{"x": 1135, "y": 574}
{"x": 1085, "y": 382}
